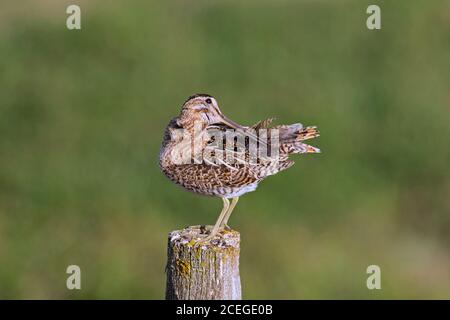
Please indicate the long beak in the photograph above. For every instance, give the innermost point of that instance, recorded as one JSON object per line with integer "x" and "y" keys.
{"x": 231, "y": 123}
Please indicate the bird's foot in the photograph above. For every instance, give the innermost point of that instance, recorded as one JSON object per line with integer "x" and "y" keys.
{"x": 208, "y": 237}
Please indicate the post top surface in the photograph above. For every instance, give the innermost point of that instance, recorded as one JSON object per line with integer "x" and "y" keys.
{"x": 193, "y": 235}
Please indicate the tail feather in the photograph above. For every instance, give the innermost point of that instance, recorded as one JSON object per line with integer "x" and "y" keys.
{"x": 308, "y": 148}
{"x": 308, "y": 133}
{"x": 292, "y": 137}
{"x": 300, "y": 147}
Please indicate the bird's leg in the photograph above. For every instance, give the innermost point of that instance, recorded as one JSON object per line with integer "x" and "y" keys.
{"x": 226, "y": 205}
{"x": 230, "y": 210}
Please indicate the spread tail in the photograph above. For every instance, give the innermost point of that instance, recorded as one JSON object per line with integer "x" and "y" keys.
{"x": 292, "y": 137}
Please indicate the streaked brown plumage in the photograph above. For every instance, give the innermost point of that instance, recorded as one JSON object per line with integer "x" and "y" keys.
{"x": 224, "y": 177}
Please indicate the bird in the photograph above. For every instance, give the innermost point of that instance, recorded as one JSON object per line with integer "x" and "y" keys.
{"x": 197, "y": 154}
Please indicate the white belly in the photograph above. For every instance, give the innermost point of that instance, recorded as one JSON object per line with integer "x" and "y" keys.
{"x": 239, "y": 192}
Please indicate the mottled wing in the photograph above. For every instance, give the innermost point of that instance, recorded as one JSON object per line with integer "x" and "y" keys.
{"x": 263, "y": 124}
{"x": 213, "y": 179}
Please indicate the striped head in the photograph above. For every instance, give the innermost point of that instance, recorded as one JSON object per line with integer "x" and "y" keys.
{"x": 203, "y": 109}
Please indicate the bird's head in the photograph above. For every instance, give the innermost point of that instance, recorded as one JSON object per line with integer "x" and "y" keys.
{"x": 204, "y": 109}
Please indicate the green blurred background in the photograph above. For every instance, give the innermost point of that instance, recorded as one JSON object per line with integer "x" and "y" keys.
{"x": 82, "y": 115}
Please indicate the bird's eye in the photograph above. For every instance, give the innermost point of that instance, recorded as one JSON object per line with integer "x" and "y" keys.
{"x": 208, "y": 101}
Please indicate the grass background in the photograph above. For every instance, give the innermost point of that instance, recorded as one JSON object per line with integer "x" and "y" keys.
{"x": 81, "y": 121}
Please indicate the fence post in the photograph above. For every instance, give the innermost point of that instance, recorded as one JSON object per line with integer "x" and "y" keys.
{"x": 205, "y": 271}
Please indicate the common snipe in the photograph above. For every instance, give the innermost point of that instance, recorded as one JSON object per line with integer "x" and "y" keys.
{"x": 207, "y": 153}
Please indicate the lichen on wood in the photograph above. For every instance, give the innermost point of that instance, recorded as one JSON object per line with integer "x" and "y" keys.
{"x": 203, "y": 270}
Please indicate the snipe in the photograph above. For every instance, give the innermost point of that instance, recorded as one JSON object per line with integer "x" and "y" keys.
{"x": 207, "y": 153}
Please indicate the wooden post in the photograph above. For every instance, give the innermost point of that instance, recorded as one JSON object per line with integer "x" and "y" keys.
{"x": 203, "y": 271}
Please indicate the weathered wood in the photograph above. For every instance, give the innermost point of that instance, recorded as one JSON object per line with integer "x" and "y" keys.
{"x": 203, "y": 271}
